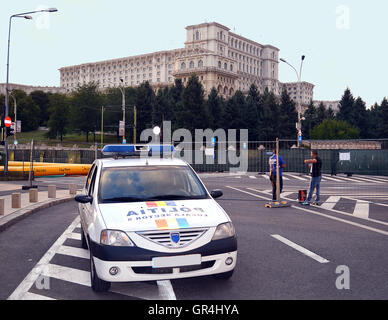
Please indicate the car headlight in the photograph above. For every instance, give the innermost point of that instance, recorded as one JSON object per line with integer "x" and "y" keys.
{"x": 115, "y": 238}
{"x": 225, "y": 230}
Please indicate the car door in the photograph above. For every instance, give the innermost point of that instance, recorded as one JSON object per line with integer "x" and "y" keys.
{"x": 86, "y": 208}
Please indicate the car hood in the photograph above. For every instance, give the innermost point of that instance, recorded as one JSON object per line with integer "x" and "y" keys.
{"x": 162, "y": 215}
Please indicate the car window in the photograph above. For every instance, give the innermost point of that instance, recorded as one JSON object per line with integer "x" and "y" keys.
{"x": 92, "y": 182}
{"x": 149, "y": 183}
{"x": 89, "y": 177}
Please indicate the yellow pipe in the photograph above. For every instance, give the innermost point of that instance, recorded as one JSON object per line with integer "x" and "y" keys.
{"x": 47, "y": 164}
{"x": 52, "y": 170}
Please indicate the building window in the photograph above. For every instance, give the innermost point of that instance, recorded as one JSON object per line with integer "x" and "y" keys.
{"x": 191, "y": 64}
{"x": 197, "y": 35}
{"x": 231, "y": 67}
{"x": 219, "y": 64}
{"x": 200, "y": 64}
{"x": 183, "y": 65}
{"x": 225, "y": 66}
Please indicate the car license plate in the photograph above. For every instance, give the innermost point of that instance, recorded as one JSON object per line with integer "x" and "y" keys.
{"x": 177, "y": 261}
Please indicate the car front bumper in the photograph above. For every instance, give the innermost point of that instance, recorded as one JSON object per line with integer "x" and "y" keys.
{"x": 136, "y": 264}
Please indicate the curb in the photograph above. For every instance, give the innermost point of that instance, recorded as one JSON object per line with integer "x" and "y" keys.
{"x": 10, "y": 219}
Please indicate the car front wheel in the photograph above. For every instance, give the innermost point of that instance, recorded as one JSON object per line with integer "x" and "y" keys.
{"x": 98, "y": 285}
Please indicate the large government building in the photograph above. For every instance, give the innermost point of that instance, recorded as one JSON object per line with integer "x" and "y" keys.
{"x": 219, "y": 57}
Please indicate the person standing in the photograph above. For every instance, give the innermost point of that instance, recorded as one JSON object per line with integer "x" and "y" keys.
{"x": 273, "y": 173}
{"x": 316, "y": 176}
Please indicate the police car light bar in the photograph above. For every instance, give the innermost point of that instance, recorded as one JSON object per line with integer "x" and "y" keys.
{"x": 121, "y": 150}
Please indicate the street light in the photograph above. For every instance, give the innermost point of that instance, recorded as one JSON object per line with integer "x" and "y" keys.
{"x": 24, "y": 15}
{"x": 299, "y": 77}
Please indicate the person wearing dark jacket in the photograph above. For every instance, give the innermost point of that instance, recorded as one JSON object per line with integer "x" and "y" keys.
{"x": 316, "y": 176}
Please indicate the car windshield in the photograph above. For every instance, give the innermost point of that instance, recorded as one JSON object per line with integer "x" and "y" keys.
{"x": 149, "y": 183}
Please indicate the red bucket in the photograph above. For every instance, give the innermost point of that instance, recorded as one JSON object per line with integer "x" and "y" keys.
{"x": 302, "y": 195}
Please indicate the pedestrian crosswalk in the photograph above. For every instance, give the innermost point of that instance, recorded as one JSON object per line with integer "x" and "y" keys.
{"x": 63, "y": 274}
{"x": 356, "y": 206}
{"x": 297, "y": 177}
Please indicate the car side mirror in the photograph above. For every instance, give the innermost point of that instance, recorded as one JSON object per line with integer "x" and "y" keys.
{"x": 83, "y": 198}
{"x": 216, "y": 194}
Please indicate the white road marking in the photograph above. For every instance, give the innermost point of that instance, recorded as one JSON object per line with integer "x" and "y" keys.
{"x": 361, "y": 209}
{"x": 368, "y": 180}
{"x": 75, "y": 236}
{"x": 74, "y": 252}
{"x": 165, "y": 290}
{"x": 30, "y": 279}
{"x": 330, "y": 202}
{"x": 299, "y": 248}
{"x": 34, "y": 296}
{"x": 286, "y": 194}
{"x": 297, "y": 177}
{"x": 252, "y": 177}
{"x": 322, "y": 214}
{"x": 67, "y": 274}
{"x": 333, "y": 179}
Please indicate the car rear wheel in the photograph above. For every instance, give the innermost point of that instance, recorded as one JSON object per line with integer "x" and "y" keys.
{"x": 224, "y": 276}
{"x": 98, "y": 285}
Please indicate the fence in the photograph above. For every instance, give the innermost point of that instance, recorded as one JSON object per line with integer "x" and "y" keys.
{"x": 256, "y": 153}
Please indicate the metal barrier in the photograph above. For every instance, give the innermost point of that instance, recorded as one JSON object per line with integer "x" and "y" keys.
{"x": 364, "y": 162}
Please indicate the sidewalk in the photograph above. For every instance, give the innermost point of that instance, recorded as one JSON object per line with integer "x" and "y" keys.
{"x": 12, "y": 215}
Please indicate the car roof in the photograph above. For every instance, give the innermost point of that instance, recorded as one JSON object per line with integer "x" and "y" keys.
{"x": 137, "y": 162}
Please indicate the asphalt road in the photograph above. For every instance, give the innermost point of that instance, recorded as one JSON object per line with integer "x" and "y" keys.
{"x": 287, "y": 253}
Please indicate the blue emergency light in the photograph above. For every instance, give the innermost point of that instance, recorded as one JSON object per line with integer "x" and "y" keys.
{"x": 131, "y": 150}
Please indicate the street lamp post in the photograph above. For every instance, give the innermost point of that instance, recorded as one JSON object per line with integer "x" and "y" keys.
{"x": 299, "y": 77}
{"x": 24, "y": 15}
{"x": 122, "y": 89}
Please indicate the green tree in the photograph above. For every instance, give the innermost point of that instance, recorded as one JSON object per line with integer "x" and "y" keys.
{"x": 250, "y": 114}
{"x": 270, "y": 117}
{"x": 28, "y": 113}
{"x": 311, "y": 120}
{"x": 288, "y": 117}
{"x": 193, "y": 114}
{"x": 322, "y": 113}
{"x": 175, "y": 104}
{"x": 215, "y": 107}
{"x": 59, "y": 116}
{"x": 345, "y": 111}
{"x": 145, "y": 98}
{"x": 359, "y": 117}
{"x": 334, "y": 130}
{"x": 382, "y": 122}
{"x": 85, "y": 111}
{"x": 232, "y": 116}
{"x": 42, "y": 99}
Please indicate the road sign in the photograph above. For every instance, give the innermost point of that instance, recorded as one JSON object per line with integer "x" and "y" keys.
{"x": 7, "y": 122}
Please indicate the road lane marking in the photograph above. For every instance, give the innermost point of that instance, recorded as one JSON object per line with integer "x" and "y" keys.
{"x": 369, "y": 180}
{"x": 330, "y": 202}
{"x": 361, "y": 209}
{"x": 74, "y": 252}
{"x": 67, "y": 274}
{"x": 360, "y": 215}
{"x": 30, "y": 279}
{"x": 333, "y": 179}
{"x": 323, "y": 214}
{"x": 252, "y": 177}
{"x": 299, "y": 248}
{"x": 75, "y": 236}
{"x": 34, "y": 296}
{"x": 297, "y": 177}
{"x": 166, "y": 290}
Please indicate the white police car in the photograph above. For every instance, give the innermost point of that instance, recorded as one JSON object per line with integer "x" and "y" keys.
{"x": 151, "y": 218}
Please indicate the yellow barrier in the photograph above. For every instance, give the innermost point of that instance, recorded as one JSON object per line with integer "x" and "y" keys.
{"x": 52, "y": 169}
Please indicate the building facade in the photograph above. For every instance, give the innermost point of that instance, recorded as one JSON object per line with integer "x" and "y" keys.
{"x": 334, "y": 105}
{"x": 29, "y": 89}
{"x": 220, "y": 58}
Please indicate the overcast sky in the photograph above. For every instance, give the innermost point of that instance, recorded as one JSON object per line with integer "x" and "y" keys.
{"x": 345, "y": 42}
